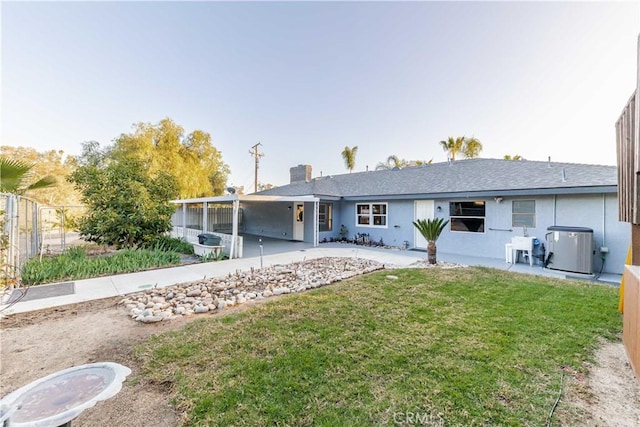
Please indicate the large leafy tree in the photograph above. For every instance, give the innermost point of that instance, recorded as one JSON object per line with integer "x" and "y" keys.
{"x": 468, "y": 147}
{"x": 53, "y": 165}
{"x": 17, "y": 177}
{"x": 349, "y": 157}
{"x": 431, "y": 230}
{"x": 192, "y": 160}
{"x": 128, "y": 205}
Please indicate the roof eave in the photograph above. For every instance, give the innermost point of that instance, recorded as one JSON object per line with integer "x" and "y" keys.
{"x": 492, "y": 193}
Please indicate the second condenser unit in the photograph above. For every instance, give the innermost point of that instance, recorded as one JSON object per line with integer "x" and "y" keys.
{"x": 570, "y": 249}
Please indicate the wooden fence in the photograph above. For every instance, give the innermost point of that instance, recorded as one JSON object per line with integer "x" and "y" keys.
{"x": 628, "y": 154}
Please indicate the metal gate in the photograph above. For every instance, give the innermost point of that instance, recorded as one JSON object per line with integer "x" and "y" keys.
{"x": 19, "y": 217}
{"x": 29, "y": 229}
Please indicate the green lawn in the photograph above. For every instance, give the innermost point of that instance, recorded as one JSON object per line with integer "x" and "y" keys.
{"x": 456, "y": 347}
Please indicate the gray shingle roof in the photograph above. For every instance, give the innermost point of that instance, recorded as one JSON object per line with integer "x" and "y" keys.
{"x": 460, "y": 176}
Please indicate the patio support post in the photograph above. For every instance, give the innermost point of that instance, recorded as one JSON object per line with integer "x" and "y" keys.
{"x": 234, "y": 229}
{"x": 11, "y": 214}
{"x": 184, "y": 221}
{"x": 316, "y": 214}
{"x": 34, "y": 229}
{"x": 205, "y": 218}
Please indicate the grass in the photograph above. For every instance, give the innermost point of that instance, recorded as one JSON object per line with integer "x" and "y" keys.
{"x": 456, "y": 347}
{"x": 170, "y": 244}
{"x": 74, "y": 264}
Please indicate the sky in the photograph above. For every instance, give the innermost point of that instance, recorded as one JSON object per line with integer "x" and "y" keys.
{"x": 306, "y": 79}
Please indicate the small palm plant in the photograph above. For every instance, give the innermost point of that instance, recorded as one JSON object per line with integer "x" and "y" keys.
{"x": 431, "y": 230}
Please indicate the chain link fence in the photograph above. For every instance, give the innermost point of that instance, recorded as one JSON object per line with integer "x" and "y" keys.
{"x": 58, "y": 229}
{"x": 29, "y": 229}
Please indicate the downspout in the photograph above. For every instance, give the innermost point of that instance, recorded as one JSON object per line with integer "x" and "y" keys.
{"x": 604, "y": 231}
{"x": 555, "y": 196}
{"x": 604, "y": 220}
{"x": 316, "y": 232}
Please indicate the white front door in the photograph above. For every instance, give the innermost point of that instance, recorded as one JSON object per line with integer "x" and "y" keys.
{"x": 423, "y": 209}
{"x": 298, "y": 221}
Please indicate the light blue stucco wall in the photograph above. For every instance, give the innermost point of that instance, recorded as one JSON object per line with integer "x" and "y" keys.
{"x": 598, "y": 212}
{"x": 337, "y": 220}
{"x": 398, "y": 229}
{"x": 273, "y": 219}
{"x": 309, "y": 222}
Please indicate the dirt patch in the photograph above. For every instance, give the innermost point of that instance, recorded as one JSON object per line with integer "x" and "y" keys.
{"x": 608, "y": 395}
{"x": 42, "y": 342}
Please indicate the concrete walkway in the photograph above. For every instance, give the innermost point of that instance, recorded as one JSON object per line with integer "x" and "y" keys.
{"x": 118, "y": 285}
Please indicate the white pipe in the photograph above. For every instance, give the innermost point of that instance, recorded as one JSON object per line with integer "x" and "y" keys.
{"x": 604, "y": 220}
{"x": 316, "y": 210}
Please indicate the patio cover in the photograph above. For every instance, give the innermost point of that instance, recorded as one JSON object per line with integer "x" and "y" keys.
{"x": 236, "y": 199}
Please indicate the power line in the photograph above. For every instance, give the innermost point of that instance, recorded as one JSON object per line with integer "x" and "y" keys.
{"x": 254, "y": 152}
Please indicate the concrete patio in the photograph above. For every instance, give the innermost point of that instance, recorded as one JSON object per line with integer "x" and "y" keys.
{"x": 260, "y": 252}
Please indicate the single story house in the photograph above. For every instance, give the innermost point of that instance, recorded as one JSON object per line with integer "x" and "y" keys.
{"x": 487, "y": 203}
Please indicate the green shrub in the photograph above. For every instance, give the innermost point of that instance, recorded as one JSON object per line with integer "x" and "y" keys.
{"x": 73, "y": 264}
{"x": 126, "y": 205}
{"x": 168, "y": 244}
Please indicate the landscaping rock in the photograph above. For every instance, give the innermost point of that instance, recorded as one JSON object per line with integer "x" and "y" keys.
{"x": 204, "y": 296}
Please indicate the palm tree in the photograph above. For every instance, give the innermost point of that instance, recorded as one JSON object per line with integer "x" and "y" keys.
{"x": 431, "y": 230}
{"x": 468, "y": 147}
{"x": 472, "y": 147}
{"x": 15, "y": 176}
{"x": 349, "y": 156}
{"x": 392, "y": 162}
{"x": 453, "y": 146}
{"x": 510, "y": 157}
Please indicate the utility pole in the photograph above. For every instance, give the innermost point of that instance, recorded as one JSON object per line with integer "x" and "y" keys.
{"x": 254, "y": 152}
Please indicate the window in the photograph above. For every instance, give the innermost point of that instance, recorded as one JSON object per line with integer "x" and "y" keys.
{"x": 371, "y": 215}
{"x": 467, "y": 216}
{"x": 325, "y": 216}
{"x": 523, "y": 213}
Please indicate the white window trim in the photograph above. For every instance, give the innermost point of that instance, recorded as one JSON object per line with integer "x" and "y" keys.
{"x": 371, "y": 215}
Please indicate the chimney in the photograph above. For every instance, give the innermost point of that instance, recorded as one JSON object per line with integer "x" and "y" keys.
{"x": 300, "y": 173}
